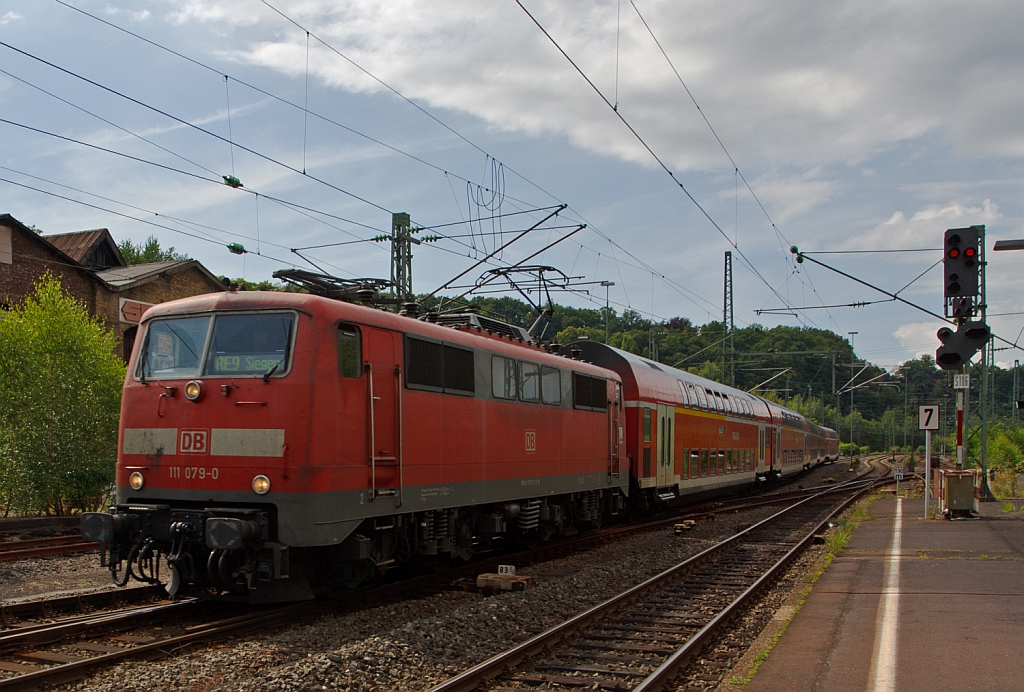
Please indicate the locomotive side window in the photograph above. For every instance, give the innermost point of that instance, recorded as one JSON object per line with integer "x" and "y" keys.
{"x": 503, "y": 377}
{"x": 459, "y": 370}
{"x": 529, "y": 383}
{"x": 424, "y": 365}
{"x": 350, "y": 356}
{"x": 250, "y": 344}
{"x": 647, "y": 426}
{"x": 173, "y": 348}
{"x": 589, "y": 392}
{"x": 551, "y": 385}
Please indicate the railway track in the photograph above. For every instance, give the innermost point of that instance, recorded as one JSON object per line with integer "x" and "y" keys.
{"x": 39, "y": 547}
{"x": 641, "y": 639}
{"x": 50, "y": 653}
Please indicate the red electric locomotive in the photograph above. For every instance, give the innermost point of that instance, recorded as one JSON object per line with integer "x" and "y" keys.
{"x": 273, "y": 444}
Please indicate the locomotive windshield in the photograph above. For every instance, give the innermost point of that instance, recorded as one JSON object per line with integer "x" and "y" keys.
{"x": 241, "y": 344}
{"x": 249, "y": 344}
{"x": 174, "y": 348}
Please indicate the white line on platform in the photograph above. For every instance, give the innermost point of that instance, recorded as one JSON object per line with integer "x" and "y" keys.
{"x": 884, "y": 675}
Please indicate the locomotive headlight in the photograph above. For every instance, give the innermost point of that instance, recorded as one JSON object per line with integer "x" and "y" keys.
{"x": 261, "y": 485}
{"x": 193, "y": 390}
{"x": 136, "y": 481}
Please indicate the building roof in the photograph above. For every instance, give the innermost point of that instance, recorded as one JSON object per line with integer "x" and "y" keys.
{"x": 120, "y": 278}
{"x": 94, "y": 249}
{"x": 62, "y": 258}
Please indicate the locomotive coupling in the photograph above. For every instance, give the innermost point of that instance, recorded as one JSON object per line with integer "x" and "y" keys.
{"x": 229, "y": 533}
{"x": 100, "y": 527}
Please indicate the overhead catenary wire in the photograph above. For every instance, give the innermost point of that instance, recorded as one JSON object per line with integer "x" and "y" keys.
{"x": 672, "y": 285}
{"x": 182, "y": 121}
{"x": 653, "y": 154}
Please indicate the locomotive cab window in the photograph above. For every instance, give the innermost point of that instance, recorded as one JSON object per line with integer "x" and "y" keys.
{"x": 503, "y": 377}
{"x": 551, "y": 385}
{"x": 350, "y": 351}
{"x": 250, "y": 344}
{"x": 173, "y": 348}
{"x": 529, "y": 382}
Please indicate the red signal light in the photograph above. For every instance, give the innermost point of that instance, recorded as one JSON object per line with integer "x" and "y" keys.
{"x": 970, "y": 252}
{"x": 954, "y": 252}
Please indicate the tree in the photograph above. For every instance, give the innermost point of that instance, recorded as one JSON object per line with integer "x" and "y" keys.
{"x": 148, "y": 252}
{"x": 60, "y": 397}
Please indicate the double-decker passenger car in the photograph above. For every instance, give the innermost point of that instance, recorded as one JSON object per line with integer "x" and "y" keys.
{"x": 688, "y": 436}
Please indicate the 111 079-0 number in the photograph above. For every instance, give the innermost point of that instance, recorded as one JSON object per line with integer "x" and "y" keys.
{"x": 194, "y": 472}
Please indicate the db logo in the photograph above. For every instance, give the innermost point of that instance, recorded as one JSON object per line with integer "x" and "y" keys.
{"x": 193, "y": 441}
{"x": 531, "y": 441}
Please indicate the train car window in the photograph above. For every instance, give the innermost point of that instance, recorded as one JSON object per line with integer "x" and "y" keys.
{"x": 729, "y": 461}
{"x": 700, "y": 396}
{"x": 647, "y": 426}
{"x": 503, "y": 377}
{"x": 589, "y": 392}
{"x": 173, "y": 348}
{"x": 424, "y": 364}
{"x": 694, "y": 463}
{"x": 721, "y": 462}
{"x": 551, "y": 385}
{"x": 252, "y": 344}
{"x": 729, "y": 404}
{"x": 703, "y": 463}
{"x": 718, "y": 399}
{"x": 350, "y": 357}
{"x": 682, "y": 391}
{"x": 529, "y": 382}
{"x": 459, "y": 370}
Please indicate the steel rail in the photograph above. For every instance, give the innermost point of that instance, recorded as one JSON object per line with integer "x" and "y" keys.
{"x": 68, "y": 672}
{"x": 493, "y": 667}
{"x": 39, "y": 547}
{"x": 668, "y": 670}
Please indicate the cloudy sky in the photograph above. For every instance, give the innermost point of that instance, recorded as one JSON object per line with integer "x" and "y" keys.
{"x": 864, "y": 125}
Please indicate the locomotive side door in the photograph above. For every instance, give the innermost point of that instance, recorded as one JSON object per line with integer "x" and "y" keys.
{"x": 384, "y": 405}
{"x": 666, "y": 445}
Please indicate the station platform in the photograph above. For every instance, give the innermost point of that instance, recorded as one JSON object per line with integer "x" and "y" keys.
{"x": 943, "y": 611}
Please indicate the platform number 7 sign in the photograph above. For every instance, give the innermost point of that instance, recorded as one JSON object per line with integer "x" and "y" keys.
{"x": 929, "y": 418}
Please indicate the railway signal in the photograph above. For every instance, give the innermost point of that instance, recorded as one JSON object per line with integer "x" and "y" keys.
{"x": 960, "y": 346}
{"x": 961, "y": 263}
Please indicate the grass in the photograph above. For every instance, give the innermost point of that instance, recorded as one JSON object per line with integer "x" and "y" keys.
{"x": 1007, "y": 506}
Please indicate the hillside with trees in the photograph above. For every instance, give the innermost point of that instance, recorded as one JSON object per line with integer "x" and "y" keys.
{"x": 800, "y": 358}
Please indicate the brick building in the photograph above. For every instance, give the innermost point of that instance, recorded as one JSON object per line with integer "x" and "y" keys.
{"x": 90, "y": 267}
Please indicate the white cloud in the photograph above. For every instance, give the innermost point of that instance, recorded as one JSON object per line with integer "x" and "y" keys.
{"x": 798, "y": 82}
{"x": 924, "y": 227}
{"x": 914, "y": 336}
{"x": 9, "y": 17}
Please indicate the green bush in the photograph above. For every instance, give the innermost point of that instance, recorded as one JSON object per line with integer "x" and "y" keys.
{"x": 60, "y": 396}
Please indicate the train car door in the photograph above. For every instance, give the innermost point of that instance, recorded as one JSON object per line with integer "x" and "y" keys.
{"x": 615, "y": 435}
{"x": 384, "y": 391}
{"x": 666, "y": 445}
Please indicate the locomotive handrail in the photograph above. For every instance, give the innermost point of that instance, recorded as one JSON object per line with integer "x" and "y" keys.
{"x": 373, "y": 434}
{"x": 398, "y": 435}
